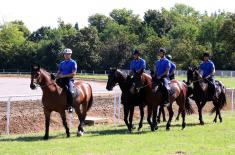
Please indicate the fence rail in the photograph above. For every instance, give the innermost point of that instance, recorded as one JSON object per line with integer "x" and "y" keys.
{"x": 8, "y": 99}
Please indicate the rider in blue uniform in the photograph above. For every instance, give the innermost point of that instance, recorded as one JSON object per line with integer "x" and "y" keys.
{"x": 161, "y": 76}
{"x": 207, "y": 71}
{"x": 67, "y": 70}
{"x": 138, "y": 64}
{"x": 172, "y": 68}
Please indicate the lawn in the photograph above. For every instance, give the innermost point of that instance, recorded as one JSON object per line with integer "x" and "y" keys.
{"x": 106, "y": 139}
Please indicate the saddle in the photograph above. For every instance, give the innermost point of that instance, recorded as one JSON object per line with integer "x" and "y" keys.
{"x": 171, "y": 89}
{"x": 75, "y": 91}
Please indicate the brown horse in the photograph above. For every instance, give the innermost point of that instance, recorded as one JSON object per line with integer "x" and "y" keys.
{"x": 153, "y": 96}
{"x": 54, "y": 99}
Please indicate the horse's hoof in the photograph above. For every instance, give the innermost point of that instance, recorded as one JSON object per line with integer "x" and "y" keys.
{"x": 133, "y": 127}
{"x": 221, "y": 121}
{"x": 80, "y": 133}
{"x": 202, "y": 123}
{"x": 164, "y": 120}
{"x": 45, "y": 138}
{"x": 128, "y": 131}
{"x": 156, "y": 128}
{"x": 183, "y": 126}
{"x": 177, "y": 119}
{"x": 68, "y": 135}
{"x": 168, "y": 129}
{"x": 215, "y": 121}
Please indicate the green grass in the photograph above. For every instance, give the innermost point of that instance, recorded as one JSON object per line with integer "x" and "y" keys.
{"x": 105, "y": 139}
{"x": 228, "y": 81}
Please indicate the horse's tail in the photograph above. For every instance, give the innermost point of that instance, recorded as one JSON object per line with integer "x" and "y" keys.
{"x": 221, "y": 99}
{"x": 188, "y": 103}
{"x": 91, "y": 100}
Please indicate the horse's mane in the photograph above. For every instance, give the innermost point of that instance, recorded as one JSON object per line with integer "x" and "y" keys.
{"x": 47, "y": 74}
{"x": 123, "y": 74}
{"x": 147, "y": 77}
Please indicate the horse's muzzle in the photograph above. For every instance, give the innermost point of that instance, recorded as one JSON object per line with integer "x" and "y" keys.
{"x": 109, "y": 88}
{"x": 32, "y": 86}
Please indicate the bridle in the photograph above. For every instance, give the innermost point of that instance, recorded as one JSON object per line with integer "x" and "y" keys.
{"x": 38, "y": 81}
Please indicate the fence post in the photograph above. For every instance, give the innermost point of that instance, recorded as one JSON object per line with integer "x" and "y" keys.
{"x": 8, "y": 116}
{"x": 232, "y": 99}
{"x": 93, "y": 72}
{"x": 114, "y": 109}
{"x": 105, "y": 72}
{"x": 71, "y": 120}
{"x": 119, "y": 107}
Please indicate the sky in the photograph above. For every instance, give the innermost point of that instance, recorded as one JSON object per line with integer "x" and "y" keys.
{"x": 37, "y": 13}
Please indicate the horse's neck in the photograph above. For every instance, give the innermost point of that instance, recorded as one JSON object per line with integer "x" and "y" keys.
{"x": 123, "y": 85}
{"x": 48, "y": 85}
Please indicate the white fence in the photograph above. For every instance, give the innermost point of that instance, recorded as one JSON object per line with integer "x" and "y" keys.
{"x": 116, "y": 105}
{"x": 9, "y": 99}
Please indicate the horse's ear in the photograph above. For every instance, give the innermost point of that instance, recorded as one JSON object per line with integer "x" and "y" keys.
{"x": 35, "y": 67}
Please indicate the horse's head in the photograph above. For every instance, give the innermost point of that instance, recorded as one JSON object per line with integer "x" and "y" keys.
{"x": 115, "y": 76}
{"x": 192, "y": 74}
{"x": 35, "y": 76}
{"x": 140, "y": 81}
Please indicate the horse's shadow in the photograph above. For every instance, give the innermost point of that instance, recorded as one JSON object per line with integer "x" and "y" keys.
{"x": 28, "y": 138}
{"x": 115, "y": 131}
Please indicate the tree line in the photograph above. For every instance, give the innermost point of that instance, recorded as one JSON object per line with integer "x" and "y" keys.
{"x": 108, "y": 41}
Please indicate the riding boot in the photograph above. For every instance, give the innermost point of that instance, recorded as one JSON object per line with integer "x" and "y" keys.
{"x": 70, "y": 102}
{"x": 166, "y": 97}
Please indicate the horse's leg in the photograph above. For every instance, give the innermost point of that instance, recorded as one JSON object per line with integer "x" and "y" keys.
{"x": 141, "y": 107}
{"x": 220, "y": 118}
{"x": 163, "y": 115}
{"x": 81, "y": 121}
{"x": 131, "y": 119}
{"x": 171, "y": 113}
{"x": 47, "y": 123}
{"x": 199, "y": 106}
{"x": 126, "y": 113}
{"x": 154, "y": 123}
{"x": 178, "y": 115}
{"x": 63, "y": 117}
{"x": 159, "y": 114}
{"x": 149, "y": 109}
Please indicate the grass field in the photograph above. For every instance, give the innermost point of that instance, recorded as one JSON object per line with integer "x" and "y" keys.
{"x": 105, "y": 139}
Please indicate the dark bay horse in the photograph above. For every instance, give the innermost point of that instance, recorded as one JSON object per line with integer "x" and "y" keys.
{"x": 54, "y": 99}
{"x": 200, "y": 93}
{"x": 129, "y": 100}
{"x": 153, "y": 96}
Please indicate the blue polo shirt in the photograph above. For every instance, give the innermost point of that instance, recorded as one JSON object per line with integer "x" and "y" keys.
{"x": 172, "y": 68}
{"x": 137, "y": 65}
{"x": 68, "y": 66}
{"x": 161, "y": 66}
{"x": 207, "y": 67}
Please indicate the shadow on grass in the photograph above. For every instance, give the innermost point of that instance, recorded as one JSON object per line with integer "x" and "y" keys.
{"x": 29, "y": 138}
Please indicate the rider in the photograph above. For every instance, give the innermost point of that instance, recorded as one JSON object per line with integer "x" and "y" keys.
{"x": 161, "y": 76}
{"x": 207, "y": 71}
{"x": 172, "y": 68}
{"x": 67, "y": 70}
{"x": 138, "y": 64}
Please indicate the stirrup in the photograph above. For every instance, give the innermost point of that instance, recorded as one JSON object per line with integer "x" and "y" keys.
{"x": 70, "y": 109}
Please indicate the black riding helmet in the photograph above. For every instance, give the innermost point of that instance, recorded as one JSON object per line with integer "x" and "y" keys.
{"x": 206, "y": 54}
{"x": 169, "y": 57}
{"x": 136, "y": 51}
{"x": 162, "y": 50}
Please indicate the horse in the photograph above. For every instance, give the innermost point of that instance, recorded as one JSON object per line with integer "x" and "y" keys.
{"x": 153, "y": 96}
{"x": 129, "y": 100}
{"x": 54, "y": 99}
{"x": 200, "y": 93}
